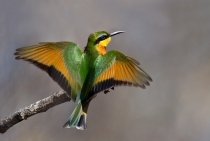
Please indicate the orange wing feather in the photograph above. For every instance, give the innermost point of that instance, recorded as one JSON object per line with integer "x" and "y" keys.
{"x": 123, "y": 70}
{"x": 49, "y": 57}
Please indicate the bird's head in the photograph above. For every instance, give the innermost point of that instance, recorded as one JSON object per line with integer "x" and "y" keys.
{"x": 101, "y": 39}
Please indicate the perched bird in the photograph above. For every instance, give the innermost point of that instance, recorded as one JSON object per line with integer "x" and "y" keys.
{"x": 83, "y": 74}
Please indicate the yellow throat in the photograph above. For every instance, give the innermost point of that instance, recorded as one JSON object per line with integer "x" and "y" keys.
{"x": 101, "y": 48}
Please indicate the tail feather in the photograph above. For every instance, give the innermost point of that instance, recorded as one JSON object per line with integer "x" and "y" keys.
{"x": 82, "y": 124}
{"x": 77, "y": 119}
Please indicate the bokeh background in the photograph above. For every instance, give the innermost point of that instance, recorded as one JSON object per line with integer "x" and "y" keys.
{"x": 171, "y": 40}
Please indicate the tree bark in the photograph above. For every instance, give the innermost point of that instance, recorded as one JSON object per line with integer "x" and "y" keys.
{"x": 35, "y": 108}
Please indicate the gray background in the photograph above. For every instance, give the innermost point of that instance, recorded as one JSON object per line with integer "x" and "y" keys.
{"x": 171, "y": 40}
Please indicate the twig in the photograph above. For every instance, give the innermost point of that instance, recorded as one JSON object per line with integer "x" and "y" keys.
{"x": 35, "y": 108}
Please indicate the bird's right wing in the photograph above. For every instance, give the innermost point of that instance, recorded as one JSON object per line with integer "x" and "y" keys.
{"x": 117, "y": 69}
{"x": 61, "y": 60}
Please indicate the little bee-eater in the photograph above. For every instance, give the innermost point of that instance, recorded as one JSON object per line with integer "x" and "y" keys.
{"x": 83, "y": 74}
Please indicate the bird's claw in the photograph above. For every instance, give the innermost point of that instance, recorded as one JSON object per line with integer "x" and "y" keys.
{"x": 106, "y": 91}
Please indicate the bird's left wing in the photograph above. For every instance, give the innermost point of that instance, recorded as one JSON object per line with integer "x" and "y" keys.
{"x": 61, "y": 60}
{"x": 117, "y": 69}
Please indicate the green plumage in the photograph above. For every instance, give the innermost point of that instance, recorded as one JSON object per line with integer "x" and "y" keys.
{"x": 84, "y": 74}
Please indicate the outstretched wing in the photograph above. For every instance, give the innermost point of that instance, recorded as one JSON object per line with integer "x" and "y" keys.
{"x": 116, "y": 69}
{"x": 61, "y": 60}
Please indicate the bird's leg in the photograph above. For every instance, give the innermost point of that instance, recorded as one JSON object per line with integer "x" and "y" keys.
{"x": 106, "y": 91}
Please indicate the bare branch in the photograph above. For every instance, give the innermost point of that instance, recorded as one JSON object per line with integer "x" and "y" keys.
{"x": 35, "y": 108}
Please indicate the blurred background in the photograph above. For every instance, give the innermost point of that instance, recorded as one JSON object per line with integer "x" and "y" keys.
{"x": 171, "y": 40}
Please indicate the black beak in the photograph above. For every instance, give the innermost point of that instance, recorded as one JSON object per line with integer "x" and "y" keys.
{"x": 116, "y": 32}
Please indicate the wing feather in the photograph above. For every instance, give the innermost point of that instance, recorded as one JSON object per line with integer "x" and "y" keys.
{"x": 49, "y": 56}
{"x": 116, "y": 69}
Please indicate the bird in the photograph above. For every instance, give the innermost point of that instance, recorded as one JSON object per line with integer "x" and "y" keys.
{"x": 83, "y": 74}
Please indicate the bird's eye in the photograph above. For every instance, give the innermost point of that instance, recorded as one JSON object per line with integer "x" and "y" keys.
{"x": 103, "y": 37}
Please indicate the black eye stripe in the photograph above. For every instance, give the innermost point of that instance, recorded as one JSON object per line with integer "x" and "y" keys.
{"x": 101, "y": 39}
